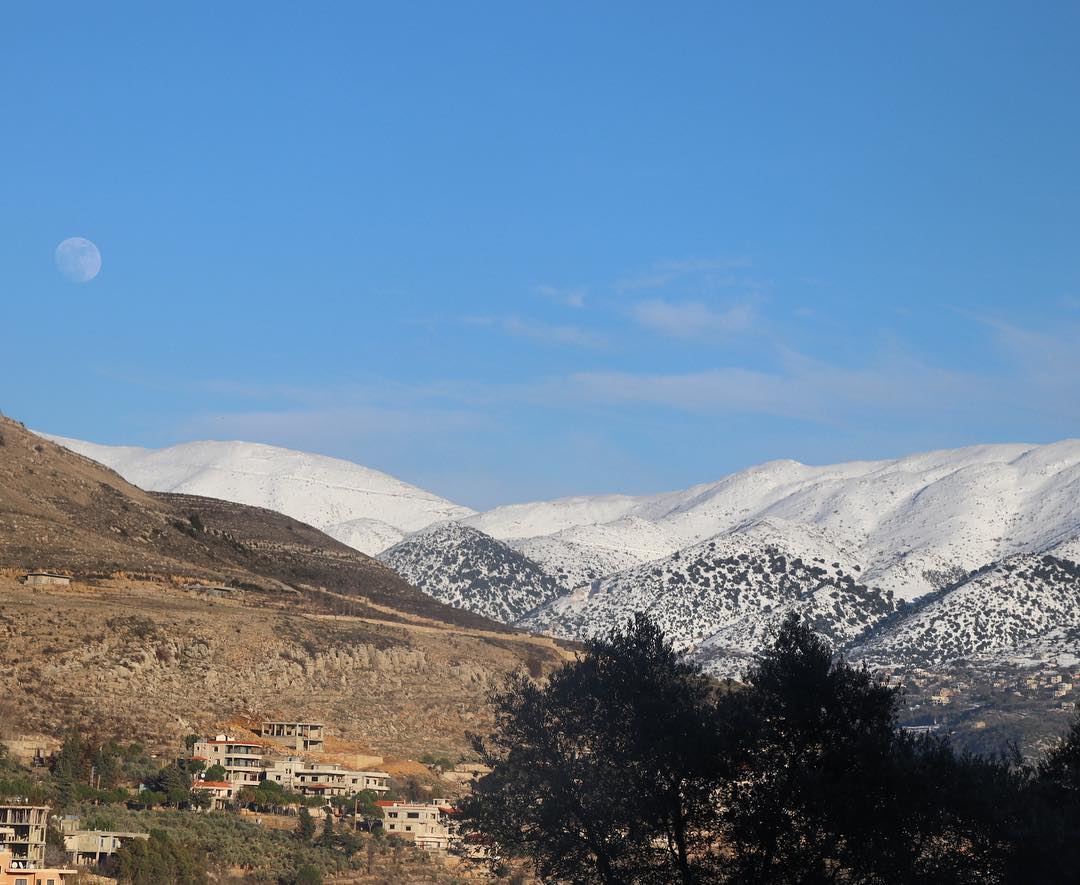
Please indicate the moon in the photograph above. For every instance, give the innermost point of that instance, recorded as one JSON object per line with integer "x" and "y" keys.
{"x": 78, "y": 259}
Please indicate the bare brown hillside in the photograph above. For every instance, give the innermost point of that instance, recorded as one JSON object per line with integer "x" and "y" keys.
{"x": 156, "y": 662}
{"x": 59, "y": 510}
{"x": 137, "y": 647}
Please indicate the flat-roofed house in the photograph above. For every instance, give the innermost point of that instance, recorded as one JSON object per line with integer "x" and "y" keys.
{"x": 14, "y": 871}
{"x": 425, "y": 823}
{"x": 92, "y": 846}
{"x": 324, "y": 778}
{"x": 221, "y": 793}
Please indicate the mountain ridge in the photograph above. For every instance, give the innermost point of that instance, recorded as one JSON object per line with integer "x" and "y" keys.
{"x": 895, "y": 537}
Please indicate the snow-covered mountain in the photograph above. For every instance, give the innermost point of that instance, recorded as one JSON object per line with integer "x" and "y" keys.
{"x": 962, "y": 535}
{"x": 363, "y": 508}
{"x": 915, "y": 523}
{"x": 465, "y": 568}
{"x": 1026, "y": 606}
{"x": 722, "y": 596}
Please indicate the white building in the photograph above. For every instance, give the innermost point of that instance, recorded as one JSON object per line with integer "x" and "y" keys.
{"x": 323, "y": 778}
{"x": 242, "y": 760}
{"x": 425, "y": 823}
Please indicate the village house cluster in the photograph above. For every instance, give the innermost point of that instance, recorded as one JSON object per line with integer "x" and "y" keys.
{"x": 1049, "y": 685}
{"x": 248, "y": 763}
{"x": 290, "y": 754}
{"x": 299, "y": 769}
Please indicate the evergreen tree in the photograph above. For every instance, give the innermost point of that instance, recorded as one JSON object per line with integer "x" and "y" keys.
{"x": 305, "y": 828}
{"x": 69, "y": 769}
{"x": 215, "y": 772}
{"x": 827, "y": 787}
{"x": 608, "y": 773}
{"x": 326, "y": 838}
{"x": 629, "y": 767}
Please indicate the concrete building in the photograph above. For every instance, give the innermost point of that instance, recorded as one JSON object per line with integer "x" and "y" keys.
{"x": 304, "y": 737}
{"x": 242, "y": 760}
{"x": 22, "y": 831}
{"x": 221, "y": 792}
{"x": 14, "y": 871}
{"x": 323, "y": 778}
{"x": 92, "y": 846}
{"x": 426, "y": 824}
{"x": 47, "y": 579}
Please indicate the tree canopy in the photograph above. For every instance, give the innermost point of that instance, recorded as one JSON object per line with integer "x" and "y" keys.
{"x": 630, "y": 766}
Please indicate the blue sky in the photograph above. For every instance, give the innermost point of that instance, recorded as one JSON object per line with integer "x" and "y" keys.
{"x": 511, "y": 250}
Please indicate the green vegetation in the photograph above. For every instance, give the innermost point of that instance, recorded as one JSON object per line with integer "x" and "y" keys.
{"x": 18, "y": 781}
{"x": 443, "y": 763}
{"x": 305, "y": 827}
{"x": 629, "y": 766}
{"x": 363, "y": 802}
{"x": 215, "y": 772}
{"x": 221, "y": 840}
{"x": 159, "y": 859}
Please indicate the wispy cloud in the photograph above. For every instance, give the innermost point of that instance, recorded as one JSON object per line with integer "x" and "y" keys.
{"x": 692, "y": 319}
{"x": 719, "y": 272}
{"x": 802, "y": 388}
{"x": 568, "y": 297}
{"x": 1045, "y": 361}
{"x": 546, "y": 333}
{"x": 553, "y": 334}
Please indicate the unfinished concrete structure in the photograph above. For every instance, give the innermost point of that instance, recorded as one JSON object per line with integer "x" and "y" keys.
{"x": 425, "y": 823}
{"x": 22, "y": 831}
{"x": 92, "y": 846}
{"x": 305, "y": 737}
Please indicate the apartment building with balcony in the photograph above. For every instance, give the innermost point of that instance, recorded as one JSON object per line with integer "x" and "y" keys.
{"x": 14, "y": 871}
{"x": 242, "y": 760}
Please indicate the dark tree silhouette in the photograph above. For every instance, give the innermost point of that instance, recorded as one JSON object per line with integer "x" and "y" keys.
{"x": 831, "y": 790}
{"x": 628, "y": 766}
{"x": 607, "y": 773}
